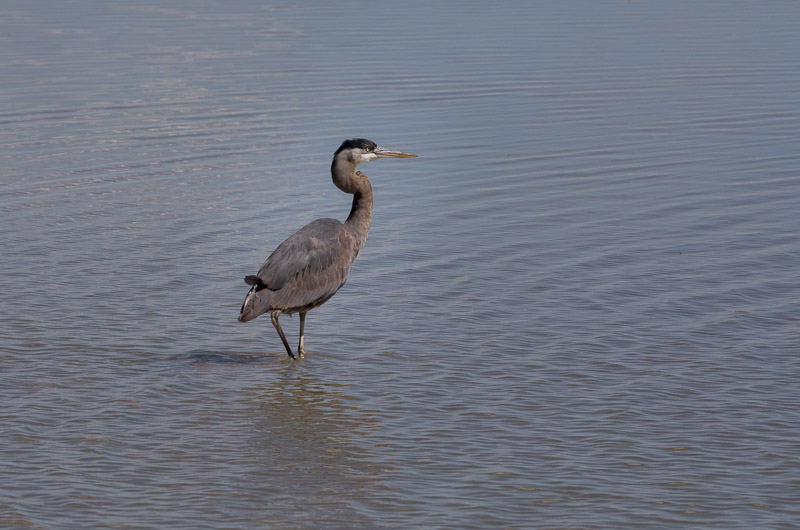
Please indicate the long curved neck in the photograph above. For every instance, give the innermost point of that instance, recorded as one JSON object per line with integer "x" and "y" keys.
{"x": 347, "y": 179}
{"x": 360, "y": 218}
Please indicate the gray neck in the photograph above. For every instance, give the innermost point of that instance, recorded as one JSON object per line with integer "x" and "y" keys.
{"x": 347, "y": 179}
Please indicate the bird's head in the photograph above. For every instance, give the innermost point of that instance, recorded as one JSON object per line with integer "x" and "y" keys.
{"x": 360, "y": 150}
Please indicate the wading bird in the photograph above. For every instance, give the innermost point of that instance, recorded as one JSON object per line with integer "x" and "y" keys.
{"x": 309, "y": 267}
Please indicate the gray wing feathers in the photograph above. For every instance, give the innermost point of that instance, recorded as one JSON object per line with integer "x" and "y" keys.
{"x": 309, "y": 267}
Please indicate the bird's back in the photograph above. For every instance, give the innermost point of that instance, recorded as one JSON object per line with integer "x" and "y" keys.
{"x": 303, "y": 272}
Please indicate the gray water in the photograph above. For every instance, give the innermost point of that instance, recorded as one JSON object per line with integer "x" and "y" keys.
{"x": 579, "y": 307}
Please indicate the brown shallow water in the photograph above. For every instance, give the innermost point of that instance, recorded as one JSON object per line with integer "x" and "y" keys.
{"x": 577, "y": 308}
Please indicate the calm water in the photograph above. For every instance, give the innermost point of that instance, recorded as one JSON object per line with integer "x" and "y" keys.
{"x": 578, "y": 308}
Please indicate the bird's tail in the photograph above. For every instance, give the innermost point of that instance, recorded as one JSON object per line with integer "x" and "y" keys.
{"x": 257, "y": 300}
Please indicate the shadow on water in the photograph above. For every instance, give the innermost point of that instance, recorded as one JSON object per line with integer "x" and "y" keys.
{"x": 207, "y": 357}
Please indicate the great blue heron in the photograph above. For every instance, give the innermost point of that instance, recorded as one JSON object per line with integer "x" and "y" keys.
{"x": 309, "y": 267}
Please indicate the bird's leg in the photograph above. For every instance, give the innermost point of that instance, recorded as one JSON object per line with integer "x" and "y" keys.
{"x": 274, "y": 317}
{"x": 300, "y": 349}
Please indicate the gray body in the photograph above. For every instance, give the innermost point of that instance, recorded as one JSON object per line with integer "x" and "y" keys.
{"x": 312, "y": 264}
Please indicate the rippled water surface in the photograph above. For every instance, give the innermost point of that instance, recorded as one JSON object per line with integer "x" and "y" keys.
{"x": 579, "y": 307}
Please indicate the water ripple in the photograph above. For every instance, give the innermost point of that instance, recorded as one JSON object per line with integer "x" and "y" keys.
{"x": 578, "y": 306}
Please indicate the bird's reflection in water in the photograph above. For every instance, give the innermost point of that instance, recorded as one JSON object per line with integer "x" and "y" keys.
{"x": 311, "y": 438}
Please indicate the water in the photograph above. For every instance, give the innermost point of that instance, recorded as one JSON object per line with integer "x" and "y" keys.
{"x": 577, "y": 308}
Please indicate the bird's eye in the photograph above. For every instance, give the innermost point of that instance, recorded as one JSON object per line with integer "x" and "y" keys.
{"x": 368, "y": 149}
